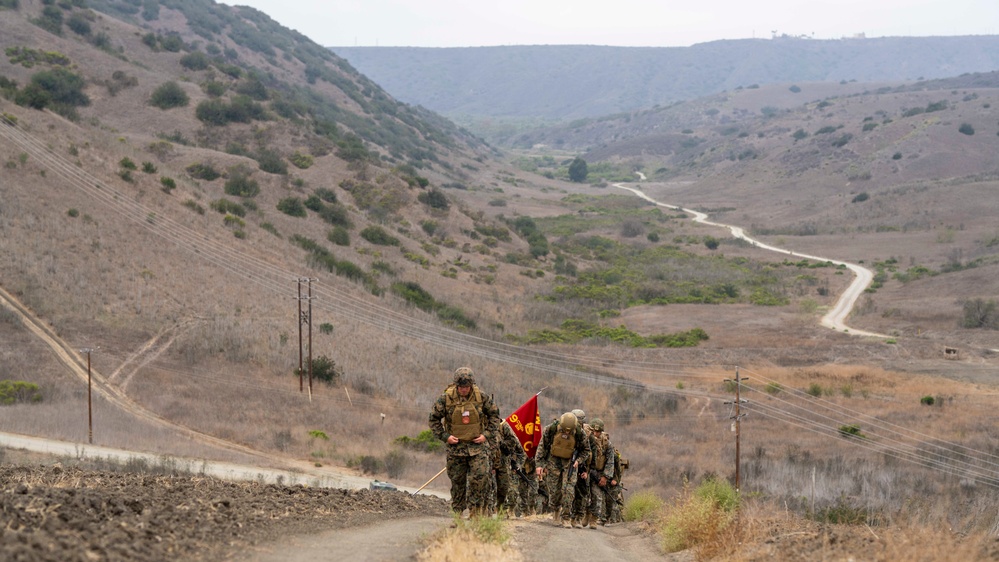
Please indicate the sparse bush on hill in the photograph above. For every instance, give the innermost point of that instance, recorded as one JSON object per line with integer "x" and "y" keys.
{"x": 967, "y": 129}
{"x": 241, "y": 184}
{"x": 169, "y": 95}
{"x": 851, "y": 431}
{"x": 292, "y": 206}
{"x": 377, "y": 235}
{"x": 325, "y": 369}
{"x": 302, "y": 161}
{"x": 339, "y": 236}
{"x": 270, "y": 161}
{"x": 57, "y": 89}
{"x": 50, "y": 20}
{"x": 980, "y": 313}
{"x": 195, "y": 60}
{"x": 225, "y": 206}
{"x": 203, "y": 171}
{"x": 435, "y": 199}
{"x": 860, "y": 197}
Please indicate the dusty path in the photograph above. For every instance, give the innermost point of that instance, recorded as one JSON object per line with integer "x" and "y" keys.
{"x": 535, "y": 538}
{"x": 540, "y": 541}
{"x": 388, "y": 541}
{"x": 836, "y": 317}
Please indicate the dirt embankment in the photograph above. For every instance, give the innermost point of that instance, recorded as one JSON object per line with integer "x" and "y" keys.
{"x": 70, "y": 514}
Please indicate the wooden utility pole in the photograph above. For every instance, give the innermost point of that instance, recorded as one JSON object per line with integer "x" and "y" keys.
{"x": 737, "y": 423}
{"x": 304, "y": 318}
{"x": 301, "y": 373}
{"x": 90, "y": 403}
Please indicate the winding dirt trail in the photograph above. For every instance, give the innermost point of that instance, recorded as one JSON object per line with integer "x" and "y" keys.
{"x": 837, "y": 315}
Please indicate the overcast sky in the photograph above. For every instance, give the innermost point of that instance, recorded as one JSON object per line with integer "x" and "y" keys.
{"x": 630, "y": 23}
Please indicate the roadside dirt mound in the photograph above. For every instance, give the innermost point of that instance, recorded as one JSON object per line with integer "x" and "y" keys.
{"x": 69, "y": 514}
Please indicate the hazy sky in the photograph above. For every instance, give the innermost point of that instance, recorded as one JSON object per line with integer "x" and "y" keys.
{"x": 644, "y": 23}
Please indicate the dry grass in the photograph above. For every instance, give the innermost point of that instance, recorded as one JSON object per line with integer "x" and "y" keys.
{"x": 471, "y": 539}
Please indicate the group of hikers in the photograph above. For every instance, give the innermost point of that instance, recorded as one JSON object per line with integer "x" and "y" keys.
{"x": 574, "y": 473}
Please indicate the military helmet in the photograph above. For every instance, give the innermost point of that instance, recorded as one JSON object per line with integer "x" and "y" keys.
{"x": 580, "y": 415}
{"x": 567, "y": 421}
{"x": 597, "y": 424}
{"x": 463, "y": 376}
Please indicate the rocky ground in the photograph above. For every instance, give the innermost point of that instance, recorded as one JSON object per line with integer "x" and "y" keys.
{"x": 71, "y": 514}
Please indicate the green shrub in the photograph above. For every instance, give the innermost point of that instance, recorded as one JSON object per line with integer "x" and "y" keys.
{"x": 324, "y": 369}
{"x": 203, "y": 171}
{"x": 225, "y": 206}
{"x": 814, "y": 389}
{"x": 424, "y": 442}
{"x": 292, "y": 206}
{"x": 642, "y": 506}
{"x": 851, "y": 431}
{"x": 773, "y": 388}
{"x": 168, "y": 184}
{"x": 377, "y": 235}
{"x": 966, "y": 129}
{"x": 56, "y": 86}
{"x": 240, "y": 184}
{"x": 213, "y": 88}
{"x": 339, "y": 236}
{"x": 79, "y": 25}
{"x": 302, "y": 161}
{"x": 271, "y": 162}
{"x": 127, "y": 164}
{"x": 19, "y": 392}
{"x": 927, "y": 400}
{"x": 169, "y": 95}
{"x": 435, "y": 199}
{"x": 860, "y": 197}
{"x": 195, "y": 60}
{"x": 148, "y": 168}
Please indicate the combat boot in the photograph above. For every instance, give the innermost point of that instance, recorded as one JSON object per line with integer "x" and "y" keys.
{"x": 591, "y": 521}
{"x": 567, "y": 523}
{"x": 577, "y": 522}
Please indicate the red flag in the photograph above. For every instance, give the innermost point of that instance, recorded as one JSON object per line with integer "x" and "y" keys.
{"x": 526, "y": 425}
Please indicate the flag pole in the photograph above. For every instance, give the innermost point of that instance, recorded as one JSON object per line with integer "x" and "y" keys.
{"x": 431, "y": 480}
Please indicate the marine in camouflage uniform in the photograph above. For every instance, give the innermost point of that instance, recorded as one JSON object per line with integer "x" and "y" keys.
{"x": 616, "y": 491}
{"x": 512, "y": 458}
{"x": 466, "y": 419}
{"x": 601, "y": 475}
{"x": 581, "y": 494}
{"x": 530, "y": 503}
{"x": 563, "y": 450}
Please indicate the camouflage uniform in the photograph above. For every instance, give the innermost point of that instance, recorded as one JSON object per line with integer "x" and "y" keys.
{"x": 615, "y": 491}
{"x": 600, "y": 495}
{"x": 560, "y": 476}
{"x": 511, "y": 452}
{"x": 468, "y": 463}
{"x": 529, "y": 497}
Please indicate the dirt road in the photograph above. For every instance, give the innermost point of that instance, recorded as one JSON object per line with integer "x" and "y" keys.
{"x": 836, "y": 317}
{"x": 402, "y": 539}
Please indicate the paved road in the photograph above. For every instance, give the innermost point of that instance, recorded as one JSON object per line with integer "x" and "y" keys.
{"x": 837, "y": 315}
